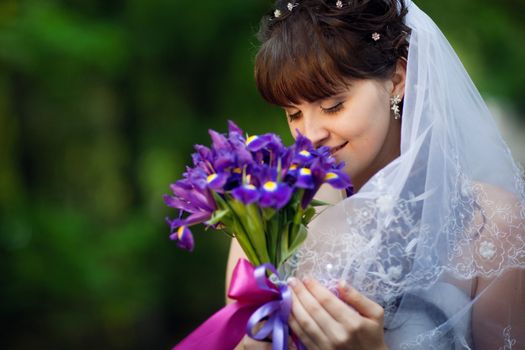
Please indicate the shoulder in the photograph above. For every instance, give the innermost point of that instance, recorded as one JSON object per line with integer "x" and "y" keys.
{"x": 497, "y": 225}
{"x": 496, "y": 208}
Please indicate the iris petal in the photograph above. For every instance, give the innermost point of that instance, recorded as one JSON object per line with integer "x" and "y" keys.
{"x": 184, "y": 238}
{"x": 275, "y": 195}
{"x": 233, "y": 128}
{"x": 246, "y": 194}
{"x": 337, "y": 179}
{"x": 255, "y": 143}
{"x": 217, "y": 181}
{"x": 305, "y": 179}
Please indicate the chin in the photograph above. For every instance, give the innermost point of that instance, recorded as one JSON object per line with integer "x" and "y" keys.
{"x": 349, "y": 171}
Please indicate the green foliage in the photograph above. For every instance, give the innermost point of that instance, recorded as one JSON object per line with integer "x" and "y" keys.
{"x": 100, "y": 103}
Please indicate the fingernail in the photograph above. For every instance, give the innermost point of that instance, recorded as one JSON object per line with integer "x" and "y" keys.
{"x": 292, "y": 281}
{"x": 343, "y": 284}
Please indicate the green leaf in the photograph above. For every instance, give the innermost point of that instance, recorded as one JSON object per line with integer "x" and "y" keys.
{"x": 299, "y": 239}
{"x": 245, "y": 244}
{"x": 318, "y": 203}
{"x": 256, "y": 224}
{"x": 217, "y": 217}
{"x": 250, "y": 219}
{"x": 308, "y": 215}
{"x": 268, "y": 213}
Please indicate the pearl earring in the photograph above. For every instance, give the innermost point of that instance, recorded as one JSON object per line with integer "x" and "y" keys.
{"x": 394, "y": 106}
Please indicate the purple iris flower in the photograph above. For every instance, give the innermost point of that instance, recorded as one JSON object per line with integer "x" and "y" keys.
{"x": 303, "y": 157}
{"x": 255, "y": 170}
{"x": 202, "y": 154}
{"x": 224, "y": 159}
{"x": 246, "y": 194}
{"x": 322, "y": 164}
{"x": 338, "y": 179}
{"x": 197, "y": 177}
{"x": 234, "y": 129}
{"x": 219, "y": 141}
{"x": 305, "y": 178}
{"x": 190, "y": 197}
{"x": 270, "y": 142}
{"x": 184, "y": 238}
{"x": 302, "y": 142}
{"x": 216, "y": 181}
{"x": 242, "y": 155}
{"x": 275, "y": 195}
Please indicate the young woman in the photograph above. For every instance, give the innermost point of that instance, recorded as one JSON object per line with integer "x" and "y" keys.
{"x": 429, "y": 253}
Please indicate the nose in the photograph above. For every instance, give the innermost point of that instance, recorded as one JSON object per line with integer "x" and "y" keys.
{"x": 314, "y": 129}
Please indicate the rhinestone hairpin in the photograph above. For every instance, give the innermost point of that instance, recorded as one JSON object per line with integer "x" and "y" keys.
{"x": 277, "y": 13}
{"x": 339, "y": 4}
{"x": 376, "y": 36}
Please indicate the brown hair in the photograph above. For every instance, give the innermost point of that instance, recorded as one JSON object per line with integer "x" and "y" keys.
{"x": 317, "y": 49}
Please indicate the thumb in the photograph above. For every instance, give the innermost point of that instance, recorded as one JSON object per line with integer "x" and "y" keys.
{"x": 359, "y": 302}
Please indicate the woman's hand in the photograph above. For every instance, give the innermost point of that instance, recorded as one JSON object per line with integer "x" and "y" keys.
{"x": 248, "y": 343}
{"x": 323, "y": 321}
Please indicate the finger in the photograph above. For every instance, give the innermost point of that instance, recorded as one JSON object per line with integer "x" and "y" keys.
{"x": 308, "y": 315}
{"x": 251, "y": 344}
{"x": 309, "y": 308}
{"x": 336, "y": 308}
{"x": 305, "y": 339}
{"x": 362, "y": 304}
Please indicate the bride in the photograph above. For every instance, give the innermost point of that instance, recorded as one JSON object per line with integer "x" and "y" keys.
{"x": 429, "y": 253}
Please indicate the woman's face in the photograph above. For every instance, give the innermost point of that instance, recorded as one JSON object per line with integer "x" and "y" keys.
{"x": 356, "y": 124}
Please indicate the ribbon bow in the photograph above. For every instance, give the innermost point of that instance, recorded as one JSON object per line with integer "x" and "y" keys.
{"x": 277, "y": 310}
{"x": 256, "y": 298}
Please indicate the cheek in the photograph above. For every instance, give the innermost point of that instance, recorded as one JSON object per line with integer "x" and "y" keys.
{"x": 366, "y": 124}
{"x": 366, "y": 137}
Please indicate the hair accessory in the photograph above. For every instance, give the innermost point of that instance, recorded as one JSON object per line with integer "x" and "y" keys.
{"x": 277, "y": 13}
{"x": 290, "y": 6}
{"x": 339, "y": 4}
{"x": 394, "y": 103}
{"x": 376, "y": 36}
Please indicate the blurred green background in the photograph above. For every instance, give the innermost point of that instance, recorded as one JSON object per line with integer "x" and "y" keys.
{"x": 100, "y": 104}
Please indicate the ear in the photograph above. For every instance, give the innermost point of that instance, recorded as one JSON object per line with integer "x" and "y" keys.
{"x": 399, "y": 77}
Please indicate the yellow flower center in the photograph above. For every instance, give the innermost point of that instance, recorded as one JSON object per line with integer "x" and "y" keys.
{"x": 305, "y": 171}
{"x": 330, "y": 176}
{"x": 293, "y": 167}
{"x": 180, "y": 232}
{"x": 237, "y": 170}
{"x": 250, "y": 187}
{"x": 251, "y": 139}
{"x": 304, "y": 153}
{"x": 270, "y": 186}
{"x": 211, "y": 177}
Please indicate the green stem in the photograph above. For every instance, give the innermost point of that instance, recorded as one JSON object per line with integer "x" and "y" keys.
{"x": 242, "y": 235}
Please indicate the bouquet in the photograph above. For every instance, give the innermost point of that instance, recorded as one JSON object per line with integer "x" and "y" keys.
{"x": 260, "y": 192}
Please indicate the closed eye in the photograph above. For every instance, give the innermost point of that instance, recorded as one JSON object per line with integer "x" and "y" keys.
{"x": 334, "y": 109}
{"x": 294, "y": 116}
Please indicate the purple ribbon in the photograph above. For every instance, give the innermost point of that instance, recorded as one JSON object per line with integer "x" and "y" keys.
{"x": 277, "y": 311}
{"x": 256, "y": 298}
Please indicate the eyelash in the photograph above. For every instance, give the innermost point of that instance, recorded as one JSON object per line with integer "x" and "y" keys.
{"x": 331, "y": 110}
{"x": 293, "y": 117}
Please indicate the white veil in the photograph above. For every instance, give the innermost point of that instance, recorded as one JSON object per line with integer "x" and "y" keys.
{"x": 437, "y": 236}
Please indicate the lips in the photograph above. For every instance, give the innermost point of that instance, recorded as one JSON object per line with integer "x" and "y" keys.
{"x": 337, "y": 148}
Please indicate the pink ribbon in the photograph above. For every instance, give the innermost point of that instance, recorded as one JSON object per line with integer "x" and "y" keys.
{"x": 225, "y": 329}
